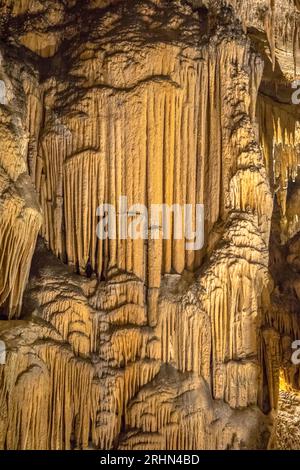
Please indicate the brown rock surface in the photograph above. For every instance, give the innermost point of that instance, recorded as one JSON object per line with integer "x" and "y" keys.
{"x": 141, "y": 344}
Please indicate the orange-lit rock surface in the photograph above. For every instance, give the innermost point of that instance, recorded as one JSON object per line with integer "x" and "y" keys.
{"x": 141, "y": 344}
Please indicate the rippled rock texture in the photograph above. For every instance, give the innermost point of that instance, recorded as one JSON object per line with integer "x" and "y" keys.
{"x": 142, "y": 344}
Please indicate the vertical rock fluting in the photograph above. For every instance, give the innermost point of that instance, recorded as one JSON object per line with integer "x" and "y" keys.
{"x": 142, "y": 344}
{"x": 20, "y": 216}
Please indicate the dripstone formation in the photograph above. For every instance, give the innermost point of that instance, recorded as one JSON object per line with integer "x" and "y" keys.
{"x": 142, "y": 344}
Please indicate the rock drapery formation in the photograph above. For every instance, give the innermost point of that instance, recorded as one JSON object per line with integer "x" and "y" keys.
{"x": 143, "y": 344}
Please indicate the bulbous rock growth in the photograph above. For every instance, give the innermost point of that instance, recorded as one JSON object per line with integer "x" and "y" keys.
{"x": 142, "y": 344}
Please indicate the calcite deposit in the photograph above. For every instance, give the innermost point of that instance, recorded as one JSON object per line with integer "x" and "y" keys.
{"x": 142, "y": 343}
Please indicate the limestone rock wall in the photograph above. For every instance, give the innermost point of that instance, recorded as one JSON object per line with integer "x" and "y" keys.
{"x": 142, "y": 344}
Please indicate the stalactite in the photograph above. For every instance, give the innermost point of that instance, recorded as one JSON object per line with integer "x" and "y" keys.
{"x": 280, "y": 143}
{"x": 20, "y": 218}
{"x": 143, "y": 344}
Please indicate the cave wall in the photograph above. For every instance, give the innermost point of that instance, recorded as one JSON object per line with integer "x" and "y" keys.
{"x": 134, "y": 344}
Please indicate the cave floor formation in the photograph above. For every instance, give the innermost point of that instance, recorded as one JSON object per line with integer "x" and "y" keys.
{"x": 143, "y": 344}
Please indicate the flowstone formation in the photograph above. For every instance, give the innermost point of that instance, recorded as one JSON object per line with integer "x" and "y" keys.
{"x": 142, "y": 344}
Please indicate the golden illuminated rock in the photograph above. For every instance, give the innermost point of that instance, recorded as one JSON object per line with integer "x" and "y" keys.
{"x": 143, "y": 344}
